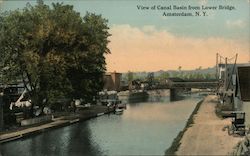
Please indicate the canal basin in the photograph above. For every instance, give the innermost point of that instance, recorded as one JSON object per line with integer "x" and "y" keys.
{"x": 145, "y": 128}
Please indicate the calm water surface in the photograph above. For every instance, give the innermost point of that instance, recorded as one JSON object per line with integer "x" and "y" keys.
{"x": 145, "y": 128}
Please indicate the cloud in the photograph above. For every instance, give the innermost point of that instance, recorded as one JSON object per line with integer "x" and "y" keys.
{"x": 149, "y": 49}
{"x": 235, "y": 24}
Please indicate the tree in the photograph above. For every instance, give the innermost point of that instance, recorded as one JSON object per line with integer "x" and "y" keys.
{"x": 199, "y": 68}
{"x": 179, "y": 68}
{"x": 164, "y": 76}
{"x": 54, "y": 51}
{"x": 130, "y": 76}
{"x": 150, "y": 79}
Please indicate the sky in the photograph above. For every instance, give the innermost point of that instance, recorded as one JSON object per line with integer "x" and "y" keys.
{"x": 145, "y": 40}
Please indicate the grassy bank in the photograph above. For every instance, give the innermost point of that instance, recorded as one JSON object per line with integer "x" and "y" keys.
{"x": 176, "y": 143}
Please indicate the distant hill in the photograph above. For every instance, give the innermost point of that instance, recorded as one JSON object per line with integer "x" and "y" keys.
{"x": 197, "y": 73}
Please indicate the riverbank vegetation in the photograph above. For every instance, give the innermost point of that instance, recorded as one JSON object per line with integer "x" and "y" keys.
{"x": 54, "y": 51}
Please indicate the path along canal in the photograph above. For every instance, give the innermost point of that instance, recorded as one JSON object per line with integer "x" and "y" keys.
{"x": 145, "y": 128}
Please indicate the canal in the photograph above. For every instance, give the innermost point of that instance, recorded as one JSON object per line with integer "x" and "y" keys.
{"x": 145, "y": 128}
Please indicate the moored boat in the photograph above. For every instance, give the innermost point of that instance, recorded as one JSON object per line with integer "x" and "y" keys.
{"x": 108, "y": 98}
{"x": 122, "y": 106}
{"x": 118, "y": 111}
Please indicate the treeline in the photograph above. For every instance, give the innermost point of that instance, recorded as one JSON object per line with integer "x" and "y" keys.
{"x": 205, "y": 74}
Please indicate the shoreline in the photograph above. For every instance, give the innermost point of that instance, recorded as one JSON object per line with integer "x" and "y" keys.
{"x": 61, "y": 121}
{"x": 204, "y": 132}
{"x": 177, "y": 140}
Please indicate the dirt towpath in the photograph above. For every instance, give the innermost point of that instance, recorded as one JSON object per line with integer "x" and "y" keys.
{"x": 206, "y": 136}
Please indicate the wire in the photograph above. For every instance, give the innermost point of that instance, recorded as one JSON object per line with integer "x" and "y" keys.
{"x": 221, "y": 58}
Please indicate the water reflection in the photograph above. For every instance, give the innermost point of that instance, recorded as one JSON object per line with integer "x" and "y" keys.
{"x": 145, "y": 128}
{"x": 137, "y": 96}
{"x": 71, "y": 140}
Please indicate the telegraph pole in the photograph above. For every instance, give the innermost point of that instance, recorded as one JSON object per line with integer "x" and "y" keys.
{"x": 225, "y": 75}
{"x": 217, "y": 66}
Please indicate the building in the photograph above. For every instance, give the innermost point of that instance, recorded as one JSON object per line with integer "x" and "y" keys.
{"x": 234, "y": 80}
{"x": 112, "y": 81}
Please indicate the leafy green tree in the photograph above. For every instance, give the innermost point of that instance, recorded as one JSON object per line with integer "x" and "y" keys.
{"x": 130, "y": 76}
{"x": 164, "y": 76}
{"x": 54, "y": 51}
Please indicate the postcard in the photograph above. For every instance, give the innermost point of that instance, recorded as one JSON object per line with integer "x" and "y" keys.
{"x": 125, "y": 77}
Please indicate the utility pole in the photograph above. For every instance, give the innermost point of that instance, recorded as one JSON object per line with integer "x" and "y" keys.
{"x": 217, "y": 66}
{"x": 226, "y": 74}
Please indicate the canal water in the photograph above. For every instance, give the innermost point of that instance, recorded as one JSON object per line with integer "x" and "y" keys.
{"x": 145, "y": 128}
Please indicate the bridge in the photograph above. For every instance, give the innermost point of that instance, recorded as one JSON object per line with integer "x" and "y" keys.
{"x": 177, "y": 86}
{"x": 172, "y": 83}
{"x": 198, "y": 85}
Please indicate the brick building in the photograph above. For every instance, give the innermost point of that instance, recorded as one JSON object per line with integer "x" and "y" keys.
{"x": 112, "y": 81}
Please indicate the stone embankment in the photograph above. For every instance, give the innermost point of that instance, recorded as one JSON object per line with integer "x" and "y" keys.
{"x": 59, "y": 120}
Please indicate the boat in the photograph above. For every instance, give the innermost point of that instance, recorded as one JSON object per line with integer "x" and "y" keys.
{"x": 111, "y": 100}
{"x": 122, "y": 106}
{"x": 108, "y": 98}
{"x": 138, "y": 96}
{"x": 118, "y": 111}
{"x": 84, "y": 106}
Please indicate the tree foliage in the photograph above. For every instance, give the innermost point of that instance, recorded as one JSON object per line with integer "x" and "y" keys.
{"x": 163, "y": 76}
{"x": 130, "y": 76}
{"x": 54, "y": 51}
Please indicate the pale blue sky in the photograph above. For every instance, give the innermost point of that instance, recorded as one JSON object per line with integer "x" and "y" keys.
{"x": 231, "y": 28}
{"x": 126, "y": 12}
